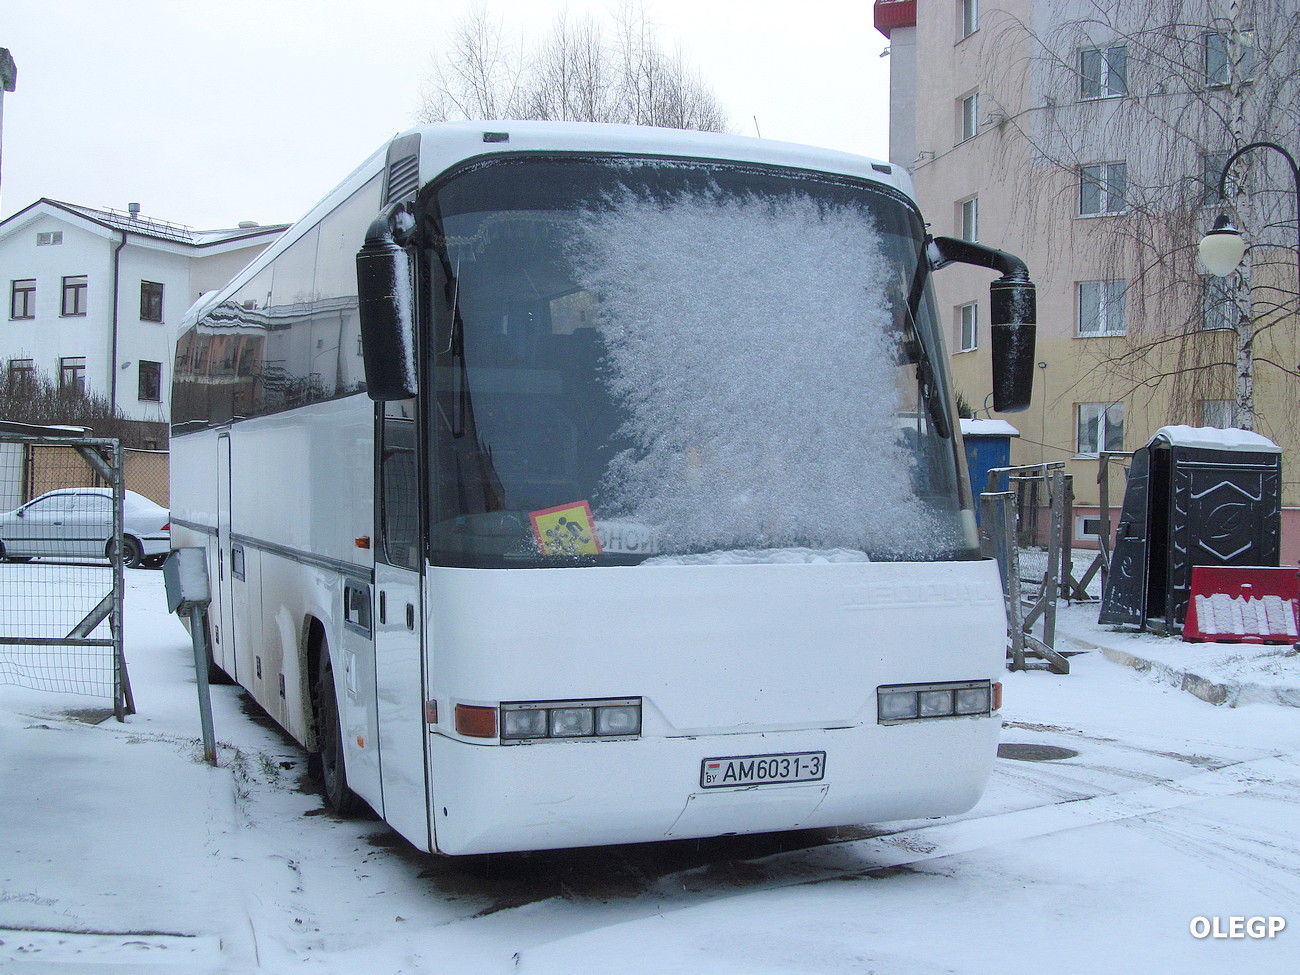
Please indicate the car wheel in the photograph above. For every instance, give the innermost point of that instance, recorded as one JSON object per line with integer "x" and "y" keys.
{"x": 329, "y": 732}
{"x": 153, "y": 561}
{"x": 132, "y": 554}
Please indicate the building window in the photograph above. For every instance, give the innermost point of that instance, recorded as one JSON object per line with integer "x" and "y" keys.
{"x": 1103, "y": 72}
{"x": 1218, "y": 413}
{"x": 1100, "y": 427}
{"x": 21, "y": 370}
{"x": 969, "y": 216}
{"x": 1087, "y": 528}
{"x": 22, "y": 299}
{"x": 74, "y": 295}
{"x": 48, "y": 238}
{"x": 968, "y": 326}
{"x": 1218, "y": 58}
{"x": 72, "y": 373}
{"x": 151, "y": 381}
{"x": 151, "y": 295}
{"x": 1101, "y": 308}
{"x": 970, "y": 116}
{"x": 970, "y": 17}
{"x": 1218, "y": 303}
{"x": 1212, "y": 164}
{"x": 1102, "y": 188}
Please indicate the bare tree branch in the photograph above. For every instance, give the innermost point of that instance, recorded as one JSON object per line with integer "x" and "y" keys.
{"x": 575, "y": 73}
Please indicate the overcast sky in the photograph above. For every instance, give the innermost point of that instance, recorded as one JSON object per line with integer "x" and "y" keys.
{"x": 208, "y": 112}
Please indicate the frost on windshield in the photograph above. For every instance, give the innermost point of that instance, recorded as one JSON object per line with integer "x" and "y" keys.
{"x": 751, "y": 343}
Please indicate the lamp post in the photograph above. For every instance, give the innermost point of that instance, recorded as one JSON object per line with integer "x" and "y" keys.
{"x": 1223, "y": 248}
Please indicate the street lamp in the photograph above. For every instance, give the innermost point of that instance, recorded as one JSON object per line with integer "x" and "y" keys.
{"x": 1223, "y": 248}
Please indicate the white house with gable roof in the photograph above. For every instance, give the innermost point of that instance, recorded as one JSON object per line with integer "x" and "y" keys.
{"x": 94, "y": 296}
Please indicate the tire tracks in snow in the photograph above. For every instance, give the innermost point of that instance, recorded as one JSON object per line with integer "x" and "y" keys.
{"x": 882, "y": 856}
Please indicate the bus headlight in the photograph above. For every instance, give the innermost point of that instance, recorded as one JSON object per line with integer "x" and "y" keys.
{"x": 921, "y": 702}
{"x": 572, "y": 722}
{"x": 618, "y": 719}
{"x": 530, "y": 720}
{"x": 523, "y": 723}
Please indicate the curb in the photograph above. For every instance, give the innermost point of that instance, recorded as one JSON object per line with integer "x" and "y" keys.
{"x": 1231, "y": 694}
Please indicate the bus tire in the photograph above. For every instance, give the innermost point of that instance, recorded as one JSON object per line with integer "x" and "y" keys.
{"x": 341, "y": 800}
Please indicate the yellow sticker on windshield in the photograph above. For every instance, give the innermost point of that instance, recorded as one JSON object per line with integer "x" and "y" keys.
{"x": 566, "y": 530}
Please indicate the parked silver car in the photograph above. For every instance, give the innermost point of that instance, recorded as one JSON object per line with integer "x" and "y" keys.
{"x": 78, "y": 523}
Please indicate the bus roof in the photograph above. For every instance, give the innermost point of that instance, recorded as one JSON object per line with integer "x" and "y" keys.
{"x": 446, "y": 144}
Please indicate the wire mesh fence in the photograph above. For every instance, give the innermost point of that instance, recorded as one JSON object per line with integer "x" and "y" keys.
{"x": 61, "y": 571}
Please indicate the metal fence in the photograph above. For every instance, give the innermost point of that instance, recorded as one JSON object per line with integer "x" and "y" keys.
{"x": 53, "y": 464}
{"x": 1025, "y": 525}
{"x": 61, "y": 572}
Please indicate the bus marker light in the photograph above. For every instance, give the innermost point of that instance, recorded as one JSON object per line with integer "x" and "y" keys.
{"x": 363, "y": 541}
{"x": 430, "y": 712}
{"x": 361, "y": 742}
{"x": 476, "y": 722}
{"x": 997, "y": 696}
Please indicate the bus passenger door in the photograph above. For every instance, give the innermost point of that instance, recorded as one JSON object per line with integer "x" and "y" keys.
{"x": 399, "y": 623}
{"x": 223, "y": 636}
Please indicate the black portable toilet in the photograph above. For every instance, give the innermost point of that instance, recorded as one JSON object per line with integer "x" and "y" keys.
{"x": 1195, "y": 496}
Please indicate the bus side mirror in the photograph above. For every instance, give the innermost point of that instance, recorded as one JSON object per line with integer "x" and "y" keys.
{"x": 386, "y": 306}
{"x": 1013, "y": 323}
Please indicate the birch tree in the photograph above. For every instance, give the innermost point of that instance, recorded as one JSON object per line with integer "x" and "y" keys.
{"x": 579, "y": 70}
{"x": 1172, "y": 88}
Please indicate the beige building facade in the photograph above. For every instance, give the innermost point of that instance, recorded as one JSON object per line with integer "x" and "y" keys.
{"x": 1088, "y": 139}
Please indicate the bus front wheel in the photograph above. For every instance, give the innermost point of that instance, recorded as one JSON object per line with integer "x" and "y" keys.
{"x": 329, "y": 734}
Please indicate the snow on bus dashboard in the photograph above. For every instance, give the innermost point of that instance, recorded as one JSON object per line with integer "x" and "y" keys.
{"x": 659, "y": 358}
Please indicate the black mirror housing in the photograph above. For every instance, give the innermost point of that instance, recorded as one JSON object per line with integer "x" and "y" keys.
{"x": 386, "y": 306}
{"x": 1013, "y": 326}
{"x": 1013, "y": 317}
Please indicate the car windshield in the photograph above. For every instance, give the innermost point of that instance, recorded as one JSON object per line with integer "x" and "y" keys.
{"x": 651, "y": 359}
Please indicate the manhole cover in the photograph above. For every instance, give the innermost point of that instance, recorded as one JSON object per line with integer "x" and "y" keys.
{"x": 1034, "y": 753}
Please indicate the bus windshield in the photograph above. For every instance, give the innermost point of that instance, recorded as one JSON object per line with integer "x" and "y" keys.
{"x": 666, "y": 360}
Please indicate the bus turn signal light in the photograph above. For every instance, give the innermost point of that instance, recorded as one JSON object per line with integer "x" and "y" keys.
{"x": 476, "y": 722}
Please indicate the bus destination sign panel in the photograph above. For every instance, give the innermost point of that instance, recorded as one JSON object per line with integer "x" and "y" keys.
{"x": 749, "y": 770}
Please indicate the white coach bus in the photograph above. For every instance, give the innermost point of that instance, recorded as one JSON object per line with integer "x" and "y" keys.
{"x": 567, "y": 485}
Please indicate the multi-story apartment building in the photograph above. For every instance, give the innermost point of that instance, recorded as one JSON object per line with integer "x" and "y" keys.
{"x": 94, "y": 297}
{"x": 1089, "y": 139}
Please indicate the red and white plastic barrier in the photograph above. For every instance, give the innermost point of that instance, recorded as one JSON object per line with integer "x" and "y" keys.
{"x": 1242, "y": 605}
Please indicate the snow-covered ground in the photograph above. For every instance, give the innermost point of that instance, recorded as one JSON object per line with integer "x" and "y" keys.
{"x": 121, "y": 851}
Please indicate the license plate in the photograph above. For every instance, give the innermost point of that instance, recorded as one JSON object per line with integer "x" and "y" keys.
{"x": 721, "y": 773}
